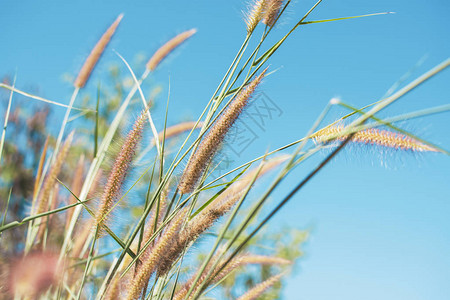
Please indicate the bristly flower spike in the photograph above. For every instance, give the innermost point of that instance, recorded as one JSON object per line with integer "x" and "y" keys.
{"x": 152, "y": 259}
{"x": 255, "y": 15}
{"x": 95, "y": 54}
{"x": 272, "y": 11}
{"x": 167, "y": 48}
{"x": 374, "y": 136}
{"x": 215, "y": 136}
{"x": 119, "y": 170}
{"x": 54, "y": 171}
{"x": 255, "y": 292}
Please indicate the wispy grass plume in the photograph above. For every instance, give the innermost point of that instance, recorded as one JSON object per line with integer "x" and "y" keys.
{"x": 259, "y": 289}
{"x": 272, "y": 11}
{"x": 95, "y": 54}
{"x": 119, "y": 170}
{"x": 167, "y": 48}
{"x": 255, "y": 14}
{"x": 375, "y": 137}
{"x": 214, "y": 138}
{"x": 152, "y": 260}
{"x": 239, "y": 261}
{"x": 50, "y": 180}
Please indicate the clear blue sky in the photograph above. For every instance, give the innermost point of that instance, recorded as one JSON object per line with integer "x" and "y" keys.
{"x": 379, "y": 232}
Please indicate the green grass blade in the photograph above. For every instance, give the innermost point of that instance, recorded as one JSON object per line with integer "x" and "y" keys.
{"x": 344, "y": 18}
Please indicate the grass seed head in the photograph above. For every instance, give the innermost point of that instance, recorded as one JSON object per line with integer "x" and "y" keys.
{"x": 212, "y": 141}
{"x": 375, "y": 137}
{"x": 152, "y": 260}
{"x": 255, "y": 14}
{"x": 50, "y": 180}
{"x": 120, "y": 170}
{"x": 255, "y": 292}
{"x": 167, "y": 48}
{"x": 95, "y": 54}
{"x": 272, "y": 11}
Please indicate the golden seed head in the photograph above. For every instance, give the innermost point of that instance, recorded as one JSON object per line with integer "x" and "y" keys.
{"x": 255, "y": 15}
{"x": 212, "y": 141}
{"x": 152, "y": 260}
{"x": 95, "y": 54}
{"x": 50, "y": 180}
{"x": 255, "y": 292}
{"x": 167, "y": 48}
{"x": 178, "y": 129}
{"x": 238, "y": 261}
{"x": 373, "y": 136}
{"x": 120, "y": 170}
{"x": 272, "y": 11}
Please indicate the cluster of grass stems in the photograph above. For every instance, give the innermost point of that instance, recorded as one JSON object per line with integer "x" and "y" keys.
{"x": 178, "y": 210}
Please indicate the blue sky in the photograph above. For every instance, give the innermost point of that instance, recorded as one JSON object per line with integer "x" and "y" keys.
{"x": 379, "y": 232}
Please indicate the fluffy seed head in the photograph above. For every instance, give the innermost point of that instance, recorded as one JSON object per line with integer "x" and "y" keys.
{"x": 153, "y": 259}
{"x": 259, "y": 289}
{"x": 95, "y": 54}
{"x": 374, "y": 136}
{"x": 215, "y": 136}
{"x": 179, "y": 129}
{"x": 248, "y": 259}
{"x": 40, "y": 167}
{"x": 239, "y": 261}
{"x": 272, "y": 11}
{"x": 50, "y": 180}
{"x": 255, "y": 14}
{"x": 120, "y": 170}
{"x": 168, "y": 47}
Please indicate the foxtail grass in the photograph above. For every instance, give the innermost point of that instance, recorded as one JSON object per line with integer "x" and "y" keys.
{"x": 50, "y": 180}
{"x": 119, "y": 171}
{"x": 255, "y": 292}
{"x": 167, "y": 48}
{"x": 96, "y": 53}
{"x": 211, "y": 143}
{"x": 255, "y": 14}
{"x": 272, "y": 11}
{"x": 373, "y": 137}
{"x": 164, "y": 224}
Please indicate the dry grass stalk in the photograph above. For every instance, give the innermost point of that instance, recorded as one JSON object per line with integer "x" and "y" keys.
{"x": 152, "y": 260}
{"x": 95, "y": 54}
{"x": 272, "y": 11}
{"x": 255, "y": 15}
{"x": 119, "y": 171}
{"x": 167, "y": 48}
{"x": 178, "y": 129}
{"x": 374, "y": 136}
{"x": 215, "y": 136}
{"x": 259, "y": 289}
{"x": 237, "y": 262}
{"x": 50, "y": 180}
